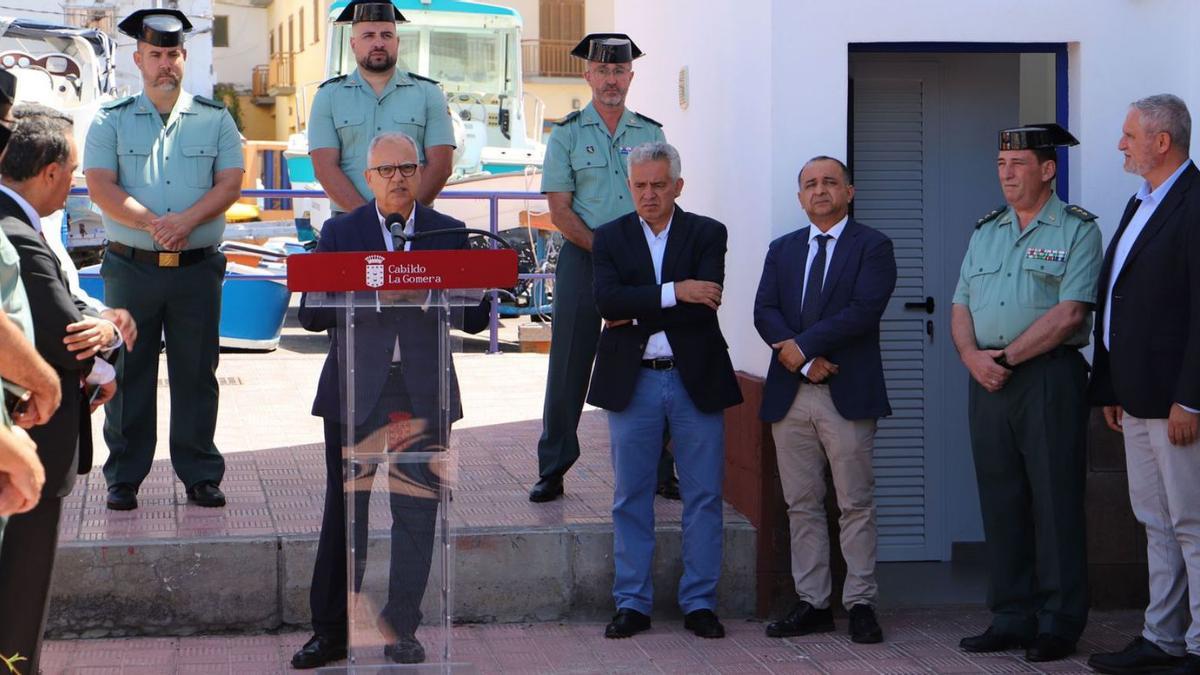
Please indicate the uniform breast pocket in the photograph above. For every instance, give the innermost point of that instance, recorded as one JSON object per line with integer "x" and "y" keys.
{"x": 413, "y": 126}
{"x": 1040, "y": 282}
{"x": 200, "y": 160}
{"x": 133, "y": 164}
{"x": 589, "y": 163}
{"x": 351, "y": 130}
{"x": 983, "y": 281}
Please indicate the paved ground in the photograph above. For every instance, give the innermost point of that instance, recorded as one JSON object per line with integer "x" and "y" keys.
{"x": 918, "y": 641}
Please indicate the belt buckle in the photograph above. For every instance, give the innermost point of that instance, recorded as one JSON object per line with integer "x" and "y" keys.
{"x": 662, "y": 363}
{"x": 168, "y": 259}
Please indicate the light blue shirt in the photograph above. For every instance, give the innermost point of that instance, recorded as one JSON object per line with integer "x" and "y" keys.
{"x": 657, "y": 345}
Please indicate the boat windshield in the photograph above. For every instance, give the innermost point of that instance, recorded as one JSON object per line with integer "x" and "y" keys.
{"x": 462, "y": 60}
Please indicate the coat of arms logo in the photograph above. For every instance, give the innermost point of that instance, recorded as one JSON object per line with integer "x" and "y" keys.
{"x": 374, "y": 271}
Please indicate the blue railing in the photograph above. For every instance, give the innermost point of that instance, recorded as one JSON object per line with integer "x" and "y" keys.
{"x": 493, "y": 199}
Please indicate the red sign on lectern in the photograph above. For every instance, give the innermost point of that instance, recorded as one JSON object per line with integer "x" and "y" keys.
{"x": 403, "y": 270}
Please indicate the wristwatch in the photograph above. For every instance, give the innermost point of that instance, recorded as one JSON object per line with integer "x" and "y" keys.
{"x": 1002, "y": 361}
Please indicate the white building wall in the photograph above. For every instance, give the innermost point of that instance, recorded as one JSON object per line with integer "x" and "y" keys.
{"x": 769, "y": 82}
{"x": 247, "y": 44}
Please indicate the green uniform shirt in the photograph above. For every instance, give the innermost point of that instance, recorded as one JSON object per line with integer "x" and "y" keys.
{"x": 1010, "y": 278}
{"x": 583, "y": 158}
{"x": 167, "y": 168}
{"x": 346, "y": 115}
{"x": 13, "y": 301}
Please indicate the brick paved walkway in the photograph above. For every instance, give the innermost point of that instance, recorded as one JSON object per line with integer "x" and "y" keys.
{"x": 918, "y": 641}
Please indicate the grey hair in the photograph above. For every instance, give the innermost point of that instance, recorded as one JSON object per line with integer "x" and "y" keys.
{"x": 389, "y": 136}
{"x": 826, "y": 158}
{"x": 1168, "y": 113}
{"x": 657, "y": 151}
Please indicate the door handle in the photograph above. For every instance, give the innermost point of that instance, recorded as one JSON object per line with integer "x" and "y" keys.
{"x": 927, "y": 305}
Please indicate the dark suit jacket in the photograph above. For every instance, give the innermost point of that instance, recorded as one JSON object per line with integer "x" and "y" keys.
{"x": 1153, "y": 358}
{"x": 59, "y": 443}
{"x": 376, "y": 332}
{"x": 625, "y": 288}
{"x": 858, "y": 284}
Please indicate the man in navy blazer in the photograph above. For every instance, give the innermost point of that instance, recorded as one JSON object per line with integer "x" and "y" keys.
{"x": 1147, "y": 376}
{"x": 661, "y": 362}
{"x": 397, "y": 383}
{"x": 823, "y": 291}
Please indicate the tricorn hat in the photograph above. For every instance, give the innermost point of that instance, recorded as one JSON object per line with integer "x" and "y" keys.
{"x": 159, "y": 27}
{"x": 358, "y": 11}
{"x": 1036, "y": 136}
{"x": 607, "y": 48}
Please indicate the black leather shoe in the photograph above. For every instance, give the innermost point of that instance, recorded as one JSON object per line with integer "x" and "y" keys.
{"x": 704, "y": 624}
{"x": 864, "y": 627}
{"x": 627, "y": 623}
{"x": 206, "y": 493}
{"x": 318, "y": 651}
{"x": 546, "y": 490}
{"x": 1047, "y": 647}
{"x": 669, "y": 489}
{"x": 1188, "y": 665}
{"x": 992, "y": 640}
{"x": 121, "y": 497}
{"x": 1139, "y": 656}
{"x": 802, "y": 620}
{"x": 405, "y": 649}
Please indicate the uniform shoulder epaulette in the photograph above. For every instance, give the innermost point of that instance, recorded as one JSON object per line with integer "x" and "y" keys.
{"x": 649, "y": 119}
{"x": 335, "y": 78}
{"x": 208, "y": 102}
{"x": 1080, "y": 212}
{"x": 119, "y": 103}
{"x": 566, "y": 119}
{"x": 991, "y": 216}
{"x": 423, "y": 78}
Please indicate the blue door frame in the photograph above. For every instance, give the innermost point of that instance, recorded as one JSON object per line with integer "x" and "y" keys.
{"x": 1058, "y": 49}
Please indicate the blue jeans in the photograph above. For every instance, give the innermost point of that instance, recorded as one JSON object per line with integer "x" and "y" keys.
{"x": 659, "y": 400}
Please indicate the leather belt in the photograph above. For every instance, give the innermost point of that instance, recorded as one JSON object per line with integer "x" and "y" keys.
{"x": 661, "y": 363}
{"x": 163, "y": 258}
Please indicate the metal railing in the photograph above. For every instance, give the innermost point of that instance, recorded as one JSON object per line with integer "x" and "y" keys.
{"x": 281, "y": 78}
{"x": 550, "y": 58}
{"x": 493, "y": 199}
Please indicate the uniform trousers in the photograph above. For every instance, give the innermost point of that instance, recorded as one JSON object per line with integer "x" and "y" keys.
{"x": 1029, "y": 444}
{"x": 183, "y": 304}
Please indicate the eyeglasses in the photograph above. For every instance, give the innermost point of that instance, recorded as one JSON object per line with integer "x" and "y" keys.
{"x": 387, "y": 171}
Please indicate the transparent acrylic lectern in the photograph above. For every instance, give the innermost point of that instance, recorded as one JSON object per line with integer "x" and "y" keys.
{"x": 398, "y": 319}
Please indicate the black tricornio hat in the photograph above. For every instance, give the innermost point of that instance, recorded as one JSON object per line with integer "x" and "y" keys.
{"x": 607, "y": 48}
{"x": 358, "y": 11}
{"x": 159, "y": 27}
{"x": 1035, "y": 136}
{"x": 8, "y": 87}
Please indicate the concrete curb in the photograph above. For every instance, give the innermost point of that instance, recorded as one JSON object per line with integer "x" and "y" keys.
{"x": 254, "y": 584}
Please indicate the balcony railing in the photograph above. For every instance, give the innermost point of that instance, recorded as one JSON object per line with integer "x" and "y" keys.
{"x": 281, "y": 75}
{"x": 261, "y": 82}
{"x": 550, "y": 58}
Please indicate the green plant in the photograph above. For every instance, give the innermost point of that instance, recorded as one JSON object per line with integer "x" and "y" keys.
{"x": 12, "y": 661}
{"x": 228, "y": 93}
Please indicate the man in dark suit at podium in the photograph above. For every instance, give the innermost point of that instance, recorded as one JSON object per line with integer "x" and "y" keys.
{"x": 397, "y": 381}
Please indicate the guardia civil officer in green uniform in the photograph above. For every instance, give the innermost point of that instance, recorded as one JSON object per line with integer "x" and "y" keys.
{"x": 349, "y": 110}
{"x": 1022, "y": 311}
{"x": 163, "y": 166}
{"x": 585, "y": 179}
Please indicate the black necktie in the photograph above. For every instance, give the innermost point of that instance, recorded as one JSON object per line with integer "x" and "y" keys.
{"x": 810, "y": 311}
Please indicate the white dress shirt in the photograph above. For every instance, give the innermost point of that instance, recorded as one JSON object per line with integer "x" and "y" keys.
{"x": 835, "y": 233}
{"x": 657, "y": 345}
{"x": 410, "y": 227}
{"x": 1150, "y": 199}
{"x": 102, "y": 371}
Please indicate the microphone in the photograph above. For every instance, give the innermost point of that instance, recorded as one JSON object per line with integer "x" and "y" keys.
{"x": 395, "y": 225}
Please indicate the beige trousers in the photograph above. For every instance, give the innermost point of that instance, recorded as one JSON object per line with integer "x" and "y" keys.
{"x": 810, "y": 437}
